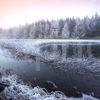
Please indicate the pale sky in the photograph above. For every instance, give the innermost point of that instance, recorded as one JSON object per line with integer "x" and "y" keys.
{"x": 20, "y": 12}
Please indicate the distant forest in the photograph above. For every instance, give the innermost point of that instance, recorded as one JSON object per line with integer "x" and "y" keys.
{"x": 74, "y": 28}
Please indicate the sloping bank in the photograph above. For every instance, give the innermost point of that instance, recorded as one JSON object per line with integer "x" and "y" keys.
{"x": 17, "y": 90}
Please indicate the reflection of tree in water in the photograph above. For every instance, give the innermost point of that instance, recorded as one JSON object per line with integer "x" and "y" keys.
{"x": 64, "y": 51}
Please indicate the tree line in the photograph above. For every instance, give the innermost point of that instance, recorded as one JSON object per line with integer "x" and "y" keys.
{"x": 74, "y": 28}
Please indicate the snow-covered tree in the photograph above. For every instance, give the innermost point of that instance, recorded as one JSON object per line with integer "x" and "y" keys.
{"x": 61, "y": 26}
{"x": 54, "y": 29}
{"x": 69, "y": 28}
{"x": 65, "y": 31}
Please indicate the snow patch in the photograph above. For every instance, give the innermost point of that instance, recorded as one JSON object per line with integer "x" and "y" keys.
{"x": 17, "y": 90}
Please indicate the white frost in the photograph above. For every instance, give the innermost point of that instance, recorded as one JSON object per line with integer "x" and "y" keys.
{"x": 19, "y": 91}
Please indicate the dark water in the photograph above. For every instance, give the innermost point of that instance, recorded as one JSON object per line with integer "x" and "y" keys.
{"x": 69, "y": 82}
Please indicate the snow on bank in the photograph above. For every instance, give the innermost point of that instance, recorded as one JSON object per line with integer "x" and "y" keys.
{"x": 79, "y": 65}
{"x": 26, "y": 46}
{"x": 19, "y": 91}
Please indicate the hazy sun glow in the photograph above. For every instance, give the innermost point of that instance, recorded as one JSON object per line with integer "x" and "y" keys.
{"x": 16, "y": 12}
